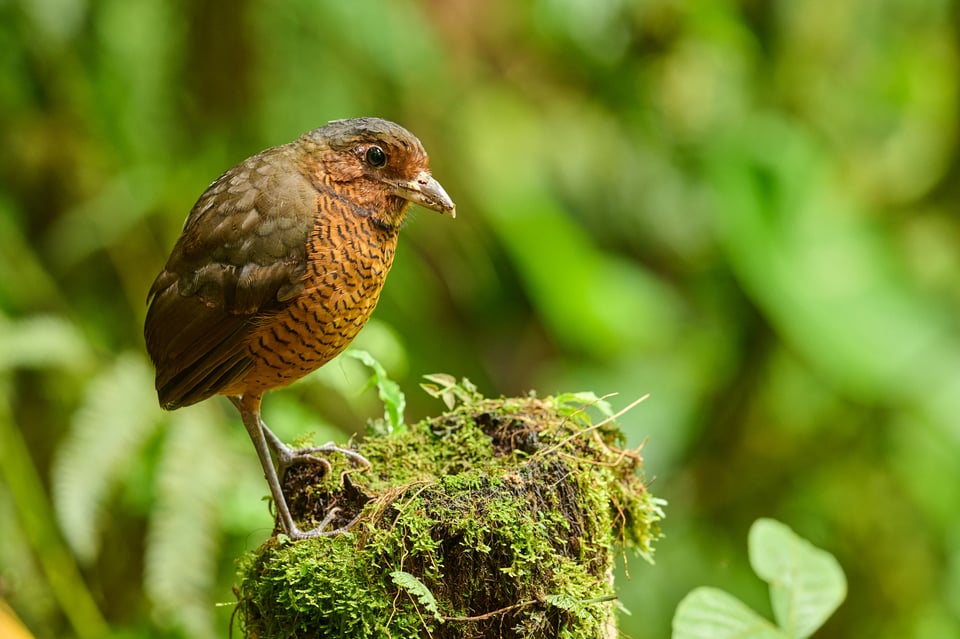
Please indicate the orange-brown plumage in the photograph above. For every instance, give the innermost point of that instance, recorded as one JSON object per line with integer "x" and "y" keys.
{"x": 280, "y": 264}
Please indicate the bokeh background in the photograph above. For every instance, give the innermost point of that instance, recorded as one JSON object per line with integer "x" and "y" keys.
{"x": 747, "y": 209}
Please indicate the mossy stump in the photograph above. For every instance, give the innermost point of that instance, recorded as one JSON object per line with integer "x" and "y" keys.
{"x": 500, "y": 518}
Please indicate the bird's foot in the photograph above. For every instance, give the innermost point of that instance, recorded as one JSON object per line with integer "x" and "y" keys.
{"x": 288, "y": 456}
{"x": 274, "y": 455}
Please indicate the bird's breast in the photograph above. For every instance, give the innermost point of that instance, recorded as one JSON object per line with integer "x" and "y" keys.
{"x": 347, "y": 263}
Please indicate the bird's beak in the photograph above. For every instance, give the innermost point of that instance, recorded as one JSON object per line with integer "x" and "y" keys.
{"x": 427, "y": 192}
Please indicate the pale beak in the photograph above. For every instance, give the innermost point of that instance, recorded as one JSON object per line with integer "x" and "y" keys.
{"x": 427, "y": 192}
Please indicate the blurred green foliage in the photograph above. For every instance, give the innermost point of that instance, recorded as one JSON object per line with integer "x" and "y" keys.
{"x": 748, "y": 209}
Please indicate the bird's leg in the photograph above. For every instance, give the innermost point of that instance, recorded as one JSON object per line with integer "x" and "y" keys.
{"x": 249, "y": 407}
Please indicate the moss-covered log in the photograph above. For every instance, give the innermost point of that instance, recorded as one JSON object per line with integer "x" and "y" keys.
{"x": 500, "y": 518}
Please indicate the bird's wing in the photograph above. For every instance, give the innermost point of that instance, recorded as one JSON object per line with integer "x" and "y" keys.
{"x": 242, "y": 256}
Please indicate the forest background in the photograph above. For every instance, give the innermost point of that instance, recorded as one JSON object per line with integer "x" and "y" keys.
{"x": 747, "y": 209}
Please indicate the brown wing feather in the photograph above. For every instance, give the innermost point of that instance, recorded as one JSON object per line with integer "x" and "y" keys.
{"x": 242, "y": 256}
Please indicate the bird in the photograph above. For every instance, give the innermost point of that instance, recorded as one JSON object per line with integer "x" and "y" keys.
{"x": 279, "y": 265}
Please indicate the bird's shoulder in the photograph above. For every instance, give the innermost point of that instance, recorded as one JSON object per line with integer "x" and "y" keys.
{"x": 244, "y": 243}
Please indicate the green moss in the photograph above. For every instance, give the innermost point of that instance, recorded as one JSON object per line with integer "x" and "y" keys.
{"x": 504, "y": 515}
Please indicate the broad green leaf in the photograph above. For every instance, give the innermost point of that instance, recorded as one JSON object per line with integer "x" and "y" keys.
{"x": 806, "y": 583}
{"x": 709, "y": 613}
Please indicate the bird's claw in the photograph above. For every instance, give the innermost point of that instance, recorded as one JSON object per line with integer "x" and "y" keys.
{"x": 287, "y": 456}
{"x": 295, "y": 533}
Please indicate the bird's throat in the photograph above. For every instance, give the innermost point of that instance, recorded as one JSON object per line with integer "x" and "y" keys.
{"x": 391, "y": 217}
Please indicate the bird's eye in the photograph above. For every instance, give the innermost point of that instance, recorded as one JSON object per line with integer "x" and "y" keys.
{"x": 376, "y": 157}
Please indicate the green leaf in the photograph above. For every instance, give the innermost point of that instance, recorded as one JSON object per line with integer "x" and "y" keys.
{"x": 441, "y": 387}
{"x": 709, "y": 613}
{"x": 394, "y": 401}
{"x": 446, "y": 388}
{"x": 806, "y": 583}
{"x": 419, "y": 590}
{"x": 583, "y": 400}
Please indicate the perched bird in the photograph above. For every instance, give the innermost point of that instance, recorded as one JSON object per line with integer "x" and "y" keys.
{"x": 279, "y": 265}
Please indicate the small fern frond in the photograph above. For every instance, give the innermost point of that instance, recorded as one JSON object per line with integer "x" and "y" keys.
{"x": 42, "y": 341}
{"x": 118, "y": 413}
{"x": 183, "y": 539}
{"x": 418, "y": 589}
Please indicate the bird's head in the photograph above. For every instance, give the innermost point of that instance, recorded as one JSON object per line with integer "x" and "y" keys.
{"x": 379, "y": 167}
